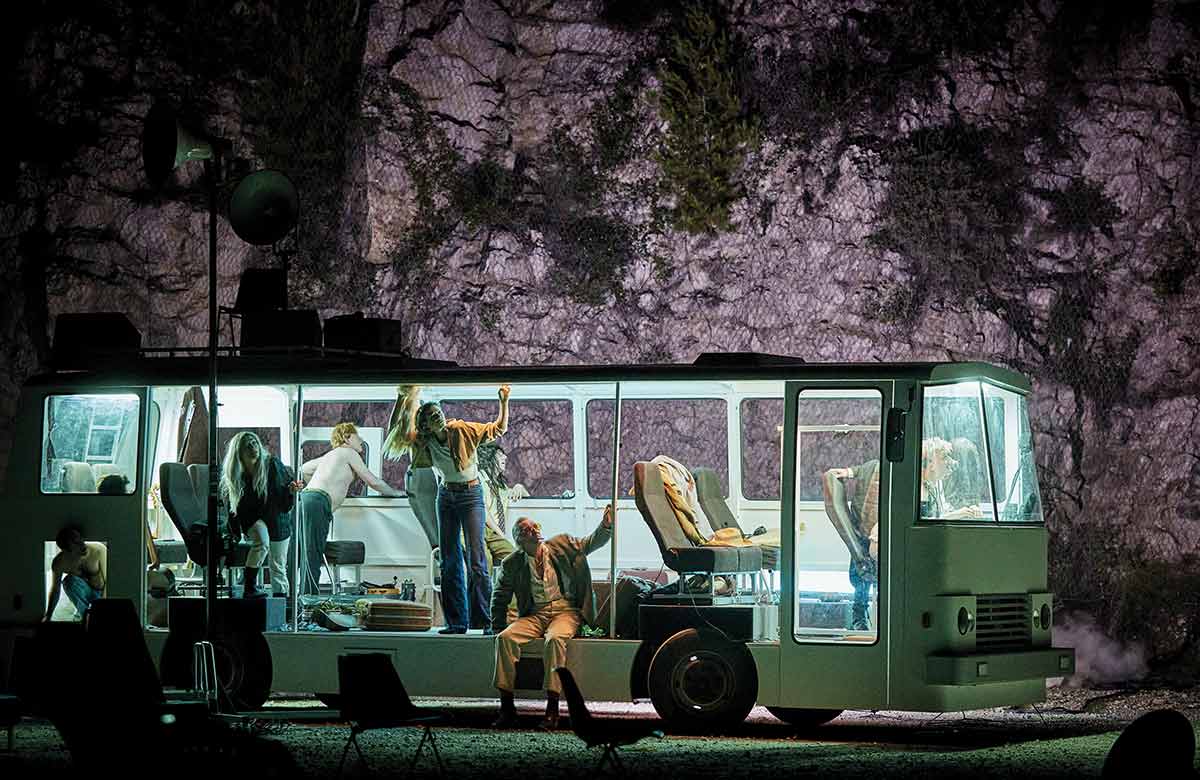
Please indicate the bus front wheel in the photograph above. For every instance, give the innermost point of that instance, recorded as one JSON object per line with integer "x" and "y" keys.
{"x": 803, "y": 718}
{"x": 700, "y": 681}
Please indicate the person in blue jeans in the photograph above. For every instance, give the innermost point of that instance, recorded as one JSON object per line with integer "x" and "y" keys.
{"x": 452, "y": 446}
{"x": 80, "y": 571}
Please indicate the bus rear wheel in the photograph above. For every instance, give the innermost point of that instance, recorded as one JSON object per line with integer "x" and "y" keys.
{"x": 700, "y": 681}
{"x": 244, "y": 668}
{"x": 803, "y": 719}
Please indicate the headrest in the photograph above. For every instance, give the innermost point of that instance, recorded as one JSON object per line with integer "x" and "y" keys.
{"x": 78, "y": 477}
{"x": 198, "y": 474}
{"x": 707, "y": 483}
{"x": 178, "y": 496}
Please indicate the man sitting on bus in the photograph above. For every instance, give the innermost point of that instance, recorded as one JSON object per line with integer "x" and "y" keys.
{"x": 329, "y": 478}
{"x": 553, "y": 585}
{"x": 856, "y": 519}
{"x": 81, "y": 569}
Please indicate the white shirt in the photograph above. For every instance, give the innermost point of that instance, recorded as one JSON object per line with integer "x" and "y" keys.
{"x": 443, "y": 462}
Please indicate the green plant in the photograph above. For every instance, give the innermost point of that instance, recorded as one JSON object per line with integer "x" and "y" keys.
{"x": 707, "y": 133}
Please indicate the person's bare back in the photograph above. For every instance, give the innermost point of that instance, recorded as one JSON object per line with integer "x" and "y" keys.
{"x": 333, "y": 472}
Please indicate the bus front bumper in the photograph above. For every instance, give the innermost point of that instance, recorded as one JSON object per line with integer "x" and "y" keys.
{"x": 999, "y": 667}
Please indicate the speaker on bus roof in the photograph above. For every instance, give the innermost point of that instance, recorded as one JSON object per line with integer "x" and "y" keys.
{"x": 363, "y": 334}
{"x": 86, "y": 339}
{"x": 275, "y": 329}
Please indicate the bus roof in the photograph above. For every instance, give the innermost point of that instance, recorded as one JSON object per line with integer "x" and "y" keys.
{"x": 354, "y": 368}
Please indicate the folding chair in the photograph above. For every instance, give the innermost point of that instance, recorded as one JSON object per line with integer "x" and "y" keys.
{"x": 610, "y": 733}
{"x": 373, "y": 697}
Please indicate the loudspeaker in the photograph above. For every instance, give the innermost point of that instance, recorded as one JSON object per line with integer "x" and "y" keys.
{"x": 186, "y": 615}
{"x": 83, "y": 339}
{"x": 658, "y": 622}
{"x": 294, "y": 328}
{"x": 363, "y": 334}
{"x": 262, "y": 289}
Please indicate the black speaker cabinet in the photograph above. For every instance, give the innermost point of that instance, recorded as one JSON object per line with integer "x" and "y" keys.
{"x": 363, "y": 334}
{"x": 293, "y": 328}
{"x": 185, "y": 615}
{"x": 85, "y": 339}
{"x": 658, "y": 622}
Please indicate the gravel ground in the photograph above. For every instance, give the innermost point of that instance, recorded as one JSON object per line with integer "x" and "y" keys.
{"x": 1067, "y": 736}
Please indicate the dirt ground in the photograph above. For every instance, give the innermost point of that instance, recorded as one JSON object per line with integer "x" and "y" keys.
{"x": 1067, "y": 736}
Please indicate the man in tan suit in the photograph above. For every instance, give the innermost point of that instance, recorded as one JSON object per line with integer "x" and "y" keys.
{"x": 553, "y": 585}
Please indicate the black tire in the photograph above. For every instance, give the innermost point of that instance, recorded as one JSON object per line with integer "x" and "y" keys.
{"x": 701, "y": 682}
{"x": 803, "y": 719}
{"x": 244, "y": 667}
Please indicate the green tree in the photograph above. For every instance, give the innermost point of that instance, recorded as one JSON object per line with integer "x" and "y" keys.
{"x": 707, "y": 134}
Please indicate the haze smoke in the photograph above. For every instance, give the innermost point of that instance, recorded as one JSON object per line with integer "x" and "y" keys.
{"x": 1099, "y": 659}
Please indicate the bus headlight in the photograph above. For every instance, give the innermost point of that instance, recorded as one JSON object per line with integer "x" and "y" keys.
{"x": 966, "y": 621}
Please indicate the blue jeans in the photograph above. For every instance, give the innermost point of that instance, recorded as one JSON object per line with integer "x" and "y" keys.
{"x": 460, "y": 512}
{"x": 862, "y": 593}
{"x": 318, "y": 516}
{"x": 80, "y": 593}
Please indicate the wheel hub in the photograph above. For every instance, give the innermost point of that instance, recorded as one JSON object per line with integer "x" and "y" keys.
{"x": 702, "y": 681}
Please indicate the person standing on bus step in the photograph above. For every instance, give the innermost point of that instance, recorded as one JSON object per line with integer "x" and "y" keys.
{"x": 329, "y": 478}
{"x": 260, "y": 492}
{"x": 420, "y": 481}
{"x": 553, "y": 586}
{"x": 452, "y": 446}
{"x": 856, "y": 519}
{"x": 81, "y": 569}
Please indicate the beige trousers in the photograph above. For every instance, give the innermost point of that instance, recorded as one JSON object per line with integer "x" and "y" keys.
{"x": 261, "y": 547}
{"x": 556, "y": 623}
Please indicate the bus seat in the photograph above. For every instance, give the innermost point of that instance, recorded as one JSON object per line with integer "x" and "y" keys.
{"x": 678, "y": 552}
{"x": 198, "y": 474}
{"x": 78, "y": 477}
{"x": 185, "y": 507}
{"x": 712, "y": 503}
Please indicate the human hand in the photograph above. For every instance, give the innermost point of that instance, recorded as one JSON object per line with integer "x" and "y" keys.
{"x": 608, "y": 516}
{"x": 503, "y": 392}
{"x": 296, "y": 485}
{"x": 517, "y": 492}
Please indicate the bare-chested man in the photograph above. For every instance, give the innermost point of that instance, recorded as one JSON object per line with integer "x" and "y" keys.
{"x": 329, "y": 478}
{"x": 81, "y": 569}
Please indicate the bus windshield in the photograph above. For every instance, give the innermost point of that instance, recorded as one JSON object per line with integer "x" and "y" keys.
{"x": 977, "y": 455}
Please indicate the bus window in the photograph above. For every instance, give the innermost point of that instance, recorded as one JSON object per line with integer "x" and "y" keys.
{"x": 837, "y": 515}
{"x": 762, "y": 443}
{"x": 1010, "y": 448}
{"x": 89, "y": 444}
{"x": 693, "y": 431}
{"x": 538, "y": 444}
{"x": 955, "y": 483}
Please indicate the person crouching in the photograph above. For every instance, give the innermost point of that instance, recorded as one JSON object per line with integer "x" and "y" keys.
{"x": 553, "y": 586}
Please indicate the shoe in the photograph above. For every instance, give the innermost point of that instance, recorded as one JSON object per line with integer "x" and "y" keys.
{"x": 549, "y": 723}
{"x": 861, "y": 624}
{"x": 453, "y": 630}
{"x": 507, "y": 720}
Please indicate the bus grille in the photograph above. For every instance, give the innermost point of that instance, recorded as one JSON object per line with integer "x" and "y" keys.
{"x": 1001, "y": 622}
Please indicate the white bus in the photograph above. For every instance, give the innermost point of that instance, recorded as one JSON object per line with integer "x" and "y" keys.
{"x": 956, "y": 614}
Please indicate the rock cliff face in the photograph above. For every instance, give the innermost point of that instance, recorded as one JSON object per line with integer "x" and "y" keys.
{"x": 536, "y": 181}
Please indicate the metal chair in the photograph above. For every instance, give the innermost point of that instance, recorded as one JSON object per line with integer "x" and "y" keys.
{"x": 610, "y": 733}
{"x": 372, "y": 696}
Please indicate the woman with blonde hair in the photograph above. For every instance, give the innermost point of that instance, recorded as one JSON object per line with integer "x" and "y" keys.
{"x": 259, "y": 490}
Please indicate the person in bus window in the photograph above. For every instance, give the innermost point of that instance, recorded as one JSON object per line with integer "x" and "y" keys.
{"x": 856, "y": 519}
{"x": 420, "y": 481}
{"x": 259, "y": 490}
{"x": 498, "y": 495}
{"x": 553, "y": 586}
{"x": 80, "y": 570}
{"x": 328, "y": 481}
{"x": 452, "y": 446}
{"x": 944, "y": 487}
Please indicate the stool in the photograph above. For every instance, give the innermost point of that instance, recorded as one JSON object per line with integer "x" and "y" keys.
{"x": 344, "y": 553}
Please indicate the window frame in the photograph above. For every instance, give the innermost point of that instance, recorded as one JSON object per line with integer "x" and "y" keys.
{"x": 140, "y": 414}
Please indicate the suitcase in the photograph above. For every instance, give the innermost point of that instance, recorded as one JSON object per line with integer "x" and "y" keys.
{"x": 631, "y": 591}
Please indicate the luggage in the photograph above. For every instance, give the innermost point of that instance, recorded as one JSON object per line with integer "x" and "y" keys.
{"x": 630, "y": 591}
{"x": 394, "y": 615}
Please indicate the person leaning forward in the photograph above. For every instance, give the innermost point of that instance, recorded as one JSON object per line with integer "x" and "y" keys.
{"x": 553, "y": 586}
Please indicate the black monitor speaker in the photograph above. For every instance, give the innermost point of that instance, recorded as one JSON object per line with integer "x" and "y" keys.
{"x": 281, "y": 329}
{"x": 363, "y": 334}
{"x": 262, "y": 289}
{"x": 87, "y": 339}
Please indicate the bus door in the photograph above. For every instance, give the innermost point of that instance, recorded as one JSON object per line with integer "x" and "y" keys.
{"x": 835, "y": 530}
